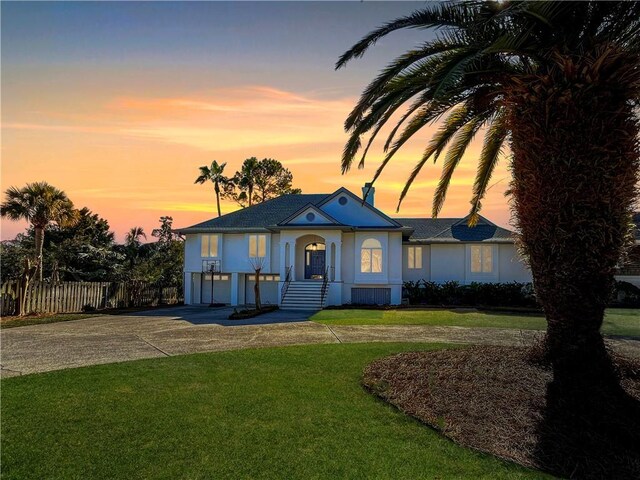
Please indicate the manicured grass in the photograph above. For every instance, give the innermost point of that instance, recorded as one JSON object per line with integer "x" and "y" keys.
{"x": 618, "y": 321}
{"x": 294, "y": 412}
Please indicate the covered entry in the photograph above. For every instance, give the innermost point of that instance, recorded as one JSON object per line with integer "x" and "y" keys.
{"x": 315, "y": 260}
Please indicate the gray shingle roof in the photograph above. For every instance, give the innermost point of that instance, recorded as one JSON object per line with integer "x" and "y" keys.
{"x": 259, "y": 216}
{"x": 272, "y": 212}
{"x": 454, "y": 229}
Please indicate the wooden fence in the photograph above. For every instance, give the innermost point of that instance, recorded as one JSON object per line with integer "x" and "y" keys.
{"x": 69, "y": 297}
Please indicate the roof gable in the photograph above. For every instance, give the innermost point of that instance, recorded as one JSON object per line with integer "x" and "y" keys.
{"x": 349, "y": 209}
{"x": 309, "y": 215}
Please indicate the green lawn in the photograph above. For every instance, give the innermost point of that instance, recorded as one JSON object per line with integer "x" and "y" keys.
{"x": 618, "y": 321}
{"x": 295, "y": 412}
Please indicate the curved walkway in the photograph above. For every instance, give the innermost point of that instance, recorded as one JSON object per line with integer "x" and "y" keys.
{"x": 183, "y": 330}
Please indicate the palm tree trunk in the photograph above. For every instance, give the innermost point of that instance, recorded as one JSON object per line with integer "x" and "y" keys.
{"x": 573, "y": 206}
{"x": 250, "y": 195}
{"x": 39, "y": 238}
{"x": 217, "y": 189}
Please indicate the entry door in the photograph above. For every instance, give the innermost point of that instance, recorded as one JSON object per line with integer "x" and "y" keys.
{"x": 314, "y": 264}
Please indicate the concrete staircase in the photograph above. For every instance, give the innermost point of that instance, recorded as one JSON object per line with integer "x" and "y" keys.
{"x": 304, "y": 296}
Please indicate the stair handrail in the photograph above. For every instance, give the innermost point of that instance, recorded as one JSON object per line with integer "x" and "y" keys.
{"x": 285, "y": 285}
{"x": 325, "y": 284}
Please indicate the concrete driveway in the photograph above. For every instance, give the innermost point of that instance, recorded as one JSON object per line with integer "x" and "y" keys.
{"x": 182, "y": 330}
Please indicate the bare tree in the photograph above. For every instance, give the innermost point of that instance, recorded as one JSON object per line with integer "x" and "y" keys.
{"x": 257, "y": 263}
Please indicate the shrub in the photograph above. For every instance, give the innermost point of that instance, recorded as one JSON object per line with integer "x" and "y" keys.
{"x": 626, "y": 294}
{"x": 481, "y": 294}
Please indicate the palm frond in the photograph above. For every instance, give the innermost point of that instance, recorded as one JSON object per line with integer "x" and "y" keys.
{"x": 450, "y": 14}
{"x": 455, "y": 153}
{"x": 489, "y": 157}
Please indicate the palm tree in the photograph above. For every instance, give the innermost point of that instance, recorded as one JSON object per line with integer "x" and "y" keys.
{"x": 40, "y": 204}
{"x": 132, "y": 243}
{"x": 246, "y": 179}
{"x": 214, "y": 174}
{"x": 557, "y": 82}
{"x": 134, "y": 235}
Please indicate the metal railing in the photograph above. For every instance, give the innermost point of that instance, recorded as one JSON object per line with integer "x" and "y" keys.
{"x": 285, "y": 285}
{"x": 325, "y": 285}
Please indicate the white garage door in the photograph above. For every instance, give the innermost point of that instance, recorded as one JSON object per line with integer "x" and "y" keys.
{"x": 221, "y": 289}
{"x": 268, "y": 289}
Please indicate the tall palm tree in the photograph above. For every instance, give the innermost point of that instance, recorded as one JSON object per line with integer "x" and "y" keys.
{"x": 132, "y": 243}
{"x": 246, "y": 179}
{"x": 40, "y": 204}
{"x": 557, "y": 82}
{"x": 215, "y": 175}
{"x": 134, "y": 235}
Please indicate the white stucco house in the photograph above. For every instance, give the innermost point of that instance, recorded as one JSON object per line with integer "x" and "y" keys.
{"x": 334, "y": 249}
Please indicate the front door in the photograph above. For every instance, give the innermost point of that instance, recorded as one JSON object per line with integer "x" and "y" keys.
{"x": 314, "y": 261}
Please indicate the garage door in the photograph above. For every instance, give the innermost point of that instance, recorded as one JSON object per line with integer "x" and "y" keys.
{"x": 268, "y": 289}
{"x": 221, "y": 289}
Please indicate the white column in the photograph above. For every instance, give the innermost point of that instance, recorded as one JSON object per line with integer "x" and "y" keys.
{"x": 234, "y": 288}
{"x": 283, "y": 260}
{"x": 339, "y": 261}
{"x": 292, "y": 259}
{"x": 186, "y": 287}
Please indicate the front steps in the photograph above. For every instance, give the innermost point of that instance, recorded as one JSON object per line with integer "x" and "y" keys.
{"x": 304, "y": 296}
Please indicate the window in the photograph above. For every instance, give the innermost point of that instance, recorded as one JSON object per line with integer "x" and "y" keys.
{"x": 371, "y": 256}
{"x": 257, "y": 246}
{"x": 481, "y": 259}
{"x": 414, "y": 257}
{"x": 209, "y": 246}
{"x": 264, "y": 278}
{"x": 207, "y": 277}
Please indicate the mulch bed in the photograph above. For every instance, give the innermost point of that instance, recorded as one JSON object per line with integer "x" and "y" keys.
{"x": 493, "y": 399}
{"x": 250, "y": 313}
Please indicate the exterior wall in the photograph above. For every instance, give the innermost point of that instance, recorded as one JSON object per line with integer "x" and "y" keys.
{"x": 391, "y": 275}
{"x": 440, "y": 263}
{"x": 269, "y": 292}
{"x": 511, "y": 266}
{"x": 415, "y": 274}
{"x": 274, "y": 263}
{"x": 354, "y": 212}
{"x": 372, "y": 278}
{"x": 482, "y": 277}
{"x": 451, "y": 262}
{"x": 192, "y": 259}
{"x": 447, "y": 263}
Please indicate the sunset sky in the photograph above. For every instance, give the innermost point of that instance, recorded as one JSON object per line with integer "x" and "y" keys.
{"x": 118, "y": 104}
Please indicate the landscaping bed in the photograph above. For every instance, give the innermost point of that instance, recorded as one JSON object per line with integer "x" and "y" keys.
{"x": 252, "y": 312}
{"x": 493, "y": 399}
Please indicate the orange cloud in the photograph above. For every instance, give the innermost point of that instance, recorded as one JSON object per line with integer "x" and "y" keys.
{"x": 134, "y": 158}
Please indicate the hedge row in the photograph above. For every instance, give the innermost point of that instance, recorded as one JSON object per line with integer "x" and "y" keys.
{"x": 512, "y": 294}
{"x": 452, "y": 293}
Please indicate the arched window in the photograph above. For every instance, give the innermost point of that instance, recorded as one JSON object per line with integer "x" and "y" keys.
{"x": 371, "y": 256}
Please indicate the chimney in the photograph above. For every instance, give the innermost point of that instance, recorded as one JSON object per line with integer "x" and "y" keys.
{"x": 368, "y": 198}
